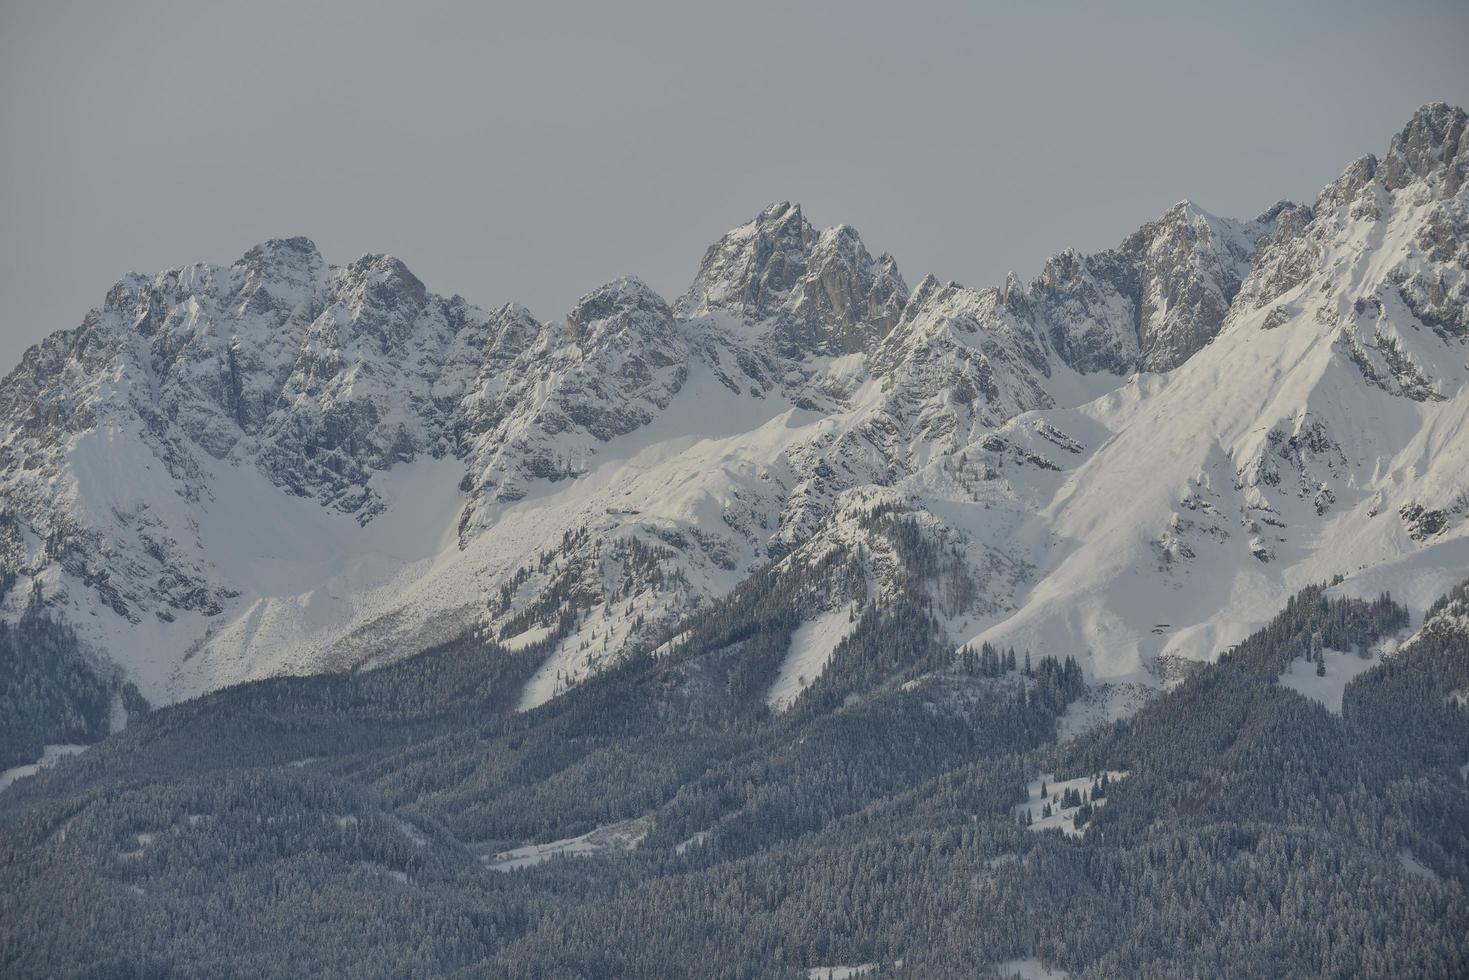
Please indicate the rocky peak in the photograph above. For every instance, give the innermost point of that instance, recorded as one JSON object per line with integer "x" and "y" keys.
{"x": 509, "y": 331}
{"x": 752, "y": 269}
{"x": 615, "y": 308}
{"x": 922, "y": 293}
{"x": 959, "y": 360}
{"x": 628, "y": 315}
{"x": 1433, "y": 140}
{"x": 279, "y": 275}
{"x": 1346, "y": 187}
{"x": 1152, "y": 302}
{"x": 1088, "y": 305}
{"x": 857, "y": 298}
{"x": 282, "y": 259}
{"x": 1284, "y": 256}
{"x": 381, "y": 285}
{"x": 1427, "y": 163}
{"x": 830, "y": 291}
{"x": 540, "y": 413}
{"x": 1192, "y": 265}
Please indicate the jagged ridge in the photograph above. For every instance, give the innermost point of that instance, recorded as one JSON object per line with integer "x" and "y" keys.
{"x": 283, "y": 465}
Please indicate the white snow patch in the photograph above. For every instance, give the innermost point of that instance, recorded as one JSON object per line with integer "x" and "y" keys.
{"x": 812, "y": 645}
{"x": 1415, "y": 867}
{"x": 671, "y": 644}
{"x": 839, "y": 972}
{"x": 117, "y": 716}
{"x": 1029, "y": 969}
{"x": 1340, "y": 669}
{"x": 623, "y": 836}
{"x": 1062, "y": 818}
{"x": 524, "y": 639}
{"x": 144, "y": 841}
{"x": 50, "y": 755}
{"x": 1103, "y": 703}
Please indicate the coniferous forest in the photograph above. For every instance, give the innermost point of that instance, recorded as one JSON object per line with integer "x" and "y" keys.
{"x": 357, "y": 825}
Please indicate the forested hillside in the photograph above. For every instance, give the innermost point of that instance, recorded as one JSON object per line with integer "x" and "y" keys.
{"x": 52, "y": 692}
{"x": 387, "y": 822}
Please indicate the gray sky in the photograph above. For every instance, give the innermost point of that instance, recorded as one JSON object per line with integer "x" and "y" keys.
{"x": 532, "y": 151}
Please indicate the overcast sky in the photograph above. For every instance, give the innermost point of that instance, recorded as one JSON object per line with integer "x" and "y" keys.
{"x": 530, "y": 152}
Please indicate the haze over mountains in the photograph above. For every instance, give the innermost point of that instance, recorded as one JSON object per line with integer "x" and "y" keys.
{"x": 284, "y": 466}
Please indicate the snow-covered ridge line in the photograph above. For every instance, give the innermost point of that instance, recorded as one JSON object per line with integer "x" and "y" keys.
{"x": 280, "y": 465}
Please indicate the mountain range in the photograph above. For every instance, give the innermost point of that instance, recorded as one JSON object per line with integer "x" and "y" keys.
{"x": 281, "y": 466}
{"x": 812, "y": 627}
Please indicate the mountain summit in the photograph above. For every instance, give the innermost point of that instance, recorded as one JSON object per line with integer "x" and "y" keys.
{"x": 286, "y": 466}
{"x": 833, "y": 294}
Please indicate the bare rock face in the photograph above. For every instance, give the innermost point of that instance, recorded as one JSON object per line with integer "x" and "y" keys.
{"x": 849, "y": 299}
{"x": 753, "y": 268}
{"x": 1089, "y": 308}
{"x": 549, "y": 396}
{"x": 1284, "y": 259}
{"x": 1431, "y": 145}
{"x": 1424, "y": 168}
{"x": 1154, "y": 301}
{"x": 828, "y": 290}
{"x": 358, "y": 397}
{"x": 1191, "y": 265}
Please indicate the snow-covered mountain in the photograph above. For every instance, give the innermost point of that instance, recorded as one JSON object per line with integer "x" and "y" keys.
{"x": 285, "y": 466}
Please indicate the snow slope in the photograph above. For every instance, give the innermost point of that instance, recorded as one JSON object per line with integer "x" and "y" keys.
{"x": 50, "y": 755}
{"x": 1329, "y": 688}
{"x": 283, "y": 466}
{"x": 812, "y": 645}
{"x": 1290, "y": 449}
